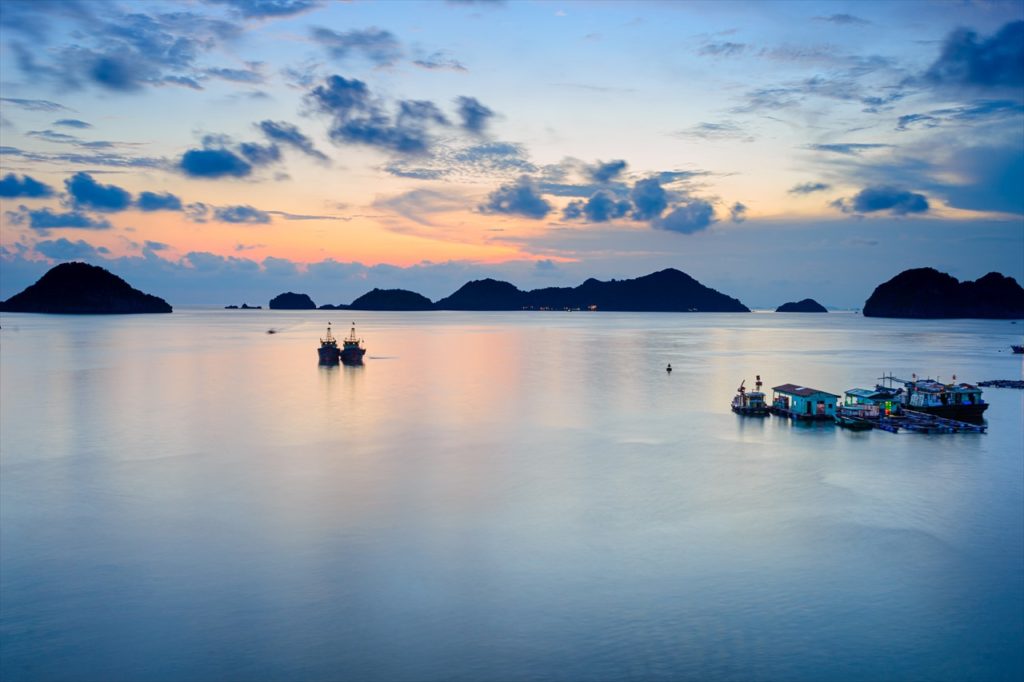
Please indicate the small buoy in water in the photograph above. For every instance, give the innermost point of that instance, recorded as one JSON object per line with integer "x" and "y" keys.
{"x": 271, "y": 331}
{"x": 669, "y": 368}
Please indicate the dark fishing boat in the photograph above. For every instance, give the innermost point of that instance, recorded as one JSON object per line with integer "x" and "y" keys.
{"x": 958, "y": 401}
{"x": 352, "y": 350}
{"x": 750, "y": 403}
{"x": 328, "y": 350}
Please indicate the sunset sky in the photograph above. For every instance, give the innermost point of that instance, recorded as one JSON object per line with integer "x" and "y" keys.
{"x": 228, "y": 150}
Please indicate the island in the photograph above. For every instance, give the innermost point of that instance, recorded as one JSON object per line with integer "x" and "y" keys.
{"x": 929, "y": 294}
{"x": 292, "y": 301}
{"x": 244, "y": 306}
{"x": 82, "y": 289}
{"x": 392, "y": 299}
{"x": 808, "y": 305}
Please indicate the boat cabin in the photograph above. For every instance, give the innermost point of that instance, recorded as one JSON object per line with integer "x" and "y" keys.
{"x": 801, "y": 402}
{"x": 883, "y": 401}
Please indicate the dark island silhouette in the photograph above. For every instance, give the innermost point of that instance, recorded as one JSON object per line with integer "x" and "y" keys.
{"x": 292, "y": 301}
{"x": 83, "y": 289}
{"x": 930, "y": 294}
{"x": 808, "y": 305}
{"x": 244, "y": 306}
{"x": 666, "y": 291}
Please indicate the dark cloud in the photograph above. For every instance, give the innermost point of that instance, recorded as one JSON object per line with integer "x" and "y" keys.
{"x": 649, "y": 199}
{"x": 151, "y": 201}
{"x": 966, "y": 61}
{"x": 738, "y": 212}
{"x": 725, "y": 49}
{"x": 378, "y": 46}
{"x": 982, "y": 110}
{"x": 72, "y": 123}
{"x": 45, "y": 219}
{"x": 687, "y": 218}
{"x": 602, "y": 207}
{"x": 260, "y": 155}
{"x": 606, "y": 171}
{"x": 34, "y": 104}
{"x": 809, "y": 188}
{"x": 27, "y": 187}
{"x": 474, "y": 115}
{"x": 214, "y": 163}
{"x": 884, "y": 198}
{"x": 86, "y": 193}
{"x": 286, "y": 133}
{"x": 849, "y": 148}
{"x": 64, "y": 249}
{"x": 910, "y": 120}
{"x": 266, "y": 9}
{"x": 844, "y": 19}
{"x": 439, "y": 61}
{"x": 240, "y": 214}
{"x": 520, "y": 198}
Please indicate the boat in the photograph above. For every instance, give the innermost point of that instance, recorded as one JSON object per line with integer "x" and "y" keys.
{"x": 852, "y": 422}
{"x": 328, "y": 350}
{"x": 352, "y": 351}
{"x": 750, "y": 403}
{"x": 1019, "y": 350}
{"x": 959, "y": 401}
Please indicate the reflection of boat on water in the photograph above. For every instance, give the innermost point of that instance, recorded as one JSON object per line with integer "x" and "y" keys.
{"x": 959, "y": 401}
{"x": 750, "y": 403}
{"x": 352, "y": 351}
{"x": 329, "y": 352}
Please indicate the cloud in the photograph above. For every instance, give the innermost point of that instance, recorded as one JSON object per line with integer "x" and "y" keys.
{"x": 520, "y": 198}
{"x": 602, "y": 207}
{"x": 994, "y": 62}
{"x": 377, "y": 45}
{"x": 606, "y": 171}
{"x": 725, "y": 49}
{"x": 240, "y": 214}
{"x": 250, "y": 75}
{"x": 844, "y": 20}
{"x": 64, "y": 249}
{"x": 286, "y": 133}
{"x": 260, "y": 155}
{"x": 267, "y": 9}
{"x": 151, "y": 201}
{"x": 113, "y": 160}
{"x": 418, "y": 204}
{"x": 27, "y": 187}
{"x": 982, "y": 110}
{"x": 155, "y": 246}
{"x": 214, "y": 163}
{"x": 884, "y": 198}
{"x": 34, "y": 104}
{"x": 724, "y": 130}
{"x": 474, "y": 115}
{"x": 45, "y": 219}
{"x": 687, "y": 218}
{"x": 910, "y": 120}
{"x": 53, "y": 136}
{"x": 86, "y": 193}
{"x": 738, "y": 212}
{"x": 809, "y": 188}
{"x": 72, "y": 123}
{"x": 439, "y": 61}
{"x": 649, "y": 199}
{"x": 849, "y": 148}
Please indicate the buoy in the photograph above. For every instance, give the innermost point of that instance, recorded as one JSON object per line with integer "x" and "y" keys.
{"x": 669, "y": 368}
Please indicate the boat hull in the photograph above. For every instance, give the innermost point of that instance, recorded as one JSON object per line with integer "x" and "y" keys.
{"x": 751, "y": 411}
{"x": 353, "y": 356}
{"x": 964, "y": 413}
{"x": 329, "y": 356}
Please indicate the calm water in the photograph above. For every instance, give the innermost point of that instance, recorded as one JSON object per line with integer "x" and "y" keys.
{"x": 508, "y": 496}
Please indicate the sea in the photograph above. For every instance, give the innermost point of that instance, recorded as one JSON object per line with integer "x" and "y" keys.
{"x": 498, "y": 497}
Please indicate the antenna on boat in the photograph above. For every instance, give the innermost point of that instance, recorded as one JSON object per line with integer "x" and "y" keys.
{"x": 741, "y": 389}
{"x": 757, "y": 383}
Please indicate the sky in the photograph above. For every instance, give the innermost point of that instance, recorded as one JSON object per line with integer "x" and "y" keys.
{"x": 225, "y": 151}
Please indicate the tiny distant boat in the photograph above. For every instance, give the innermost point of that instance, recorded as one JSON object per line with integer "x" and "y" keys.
{"x": 329, "y": 352}
{"x": 669, "y": 368}
{"x": 352, "y": 351}
{"x": 750, "y": 403}
{"x": 1019, "y": 350}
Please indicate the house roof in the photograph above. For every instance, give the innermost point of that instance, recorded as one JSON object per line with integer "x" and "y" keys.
{"x": 802, "y": 391}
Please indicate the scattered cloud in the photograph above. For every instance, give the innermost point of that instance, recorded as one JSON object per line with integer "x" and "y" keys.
{"x": 103, "y": 159}
{"x": 649, "y": 199}
{"x": 250, "y": 75}
{"x": 687, "y": 218}
{"x": 86, "y": 193}
{"x": 151, "y": 201}
{"x": 376, "y": 45}
{"x": 885, "y": 198}
{"x": 286, "y": 133}
{"x": 268, "y": 9}
{"x": 474, "y": 115}
{"x": 439, "y": 61}
{"x": 738, "y": 212}
{"x": 240, "y": 214}
{"x": 260, "y": 155}
{"x": 519, "y": 198}
{"x": 979, "y": 111}
{"x": 214, "y": 163}
{"x": 72, "y": 123}
{"x": 967, "y": 61}
{"x": 46, "y": 219}
{"x": 723, "y": 130}
{"x": 30, "y": 188}
{"x": 606, "y": 171}
{"x": 63, "y": 249}
{"x": 849, "y": 148}
{"x": 809, "y": 188}
{"x": 419, "y": 204}
{"x": 34, "y": 104}
{"x": 602, "y": 207}
{"x": 844, "y": 20}
{"x": 725, "y": 49}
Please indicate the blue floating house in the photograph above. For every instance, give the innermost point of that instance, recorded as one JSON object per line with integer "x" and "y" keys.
{"x": 801, "y": 402}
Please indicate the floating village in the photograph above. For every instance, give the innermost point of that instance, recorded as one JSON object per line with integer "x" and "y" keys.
{"x": 914, "y": 405}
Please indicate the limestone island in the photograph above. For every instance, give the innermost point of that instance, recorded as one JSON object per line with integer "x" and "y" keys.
{"x": 83, "y": 289}
{"x": 392, "y": 299}
{"x": 292, "y": 301}
{"x": 808, "y": 305}
{"x": 930, "y": 294}
{"x": 244, "y": 306}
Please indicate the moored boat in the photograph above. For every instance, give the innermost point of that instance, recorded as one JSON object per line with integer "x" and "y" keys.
{"x": 750, "y": 403}
{"x": 960, "y": 401}
{"x": 352, "y": 350}
{"x": 1019, "y": 350}
{"x": 329, "y": 352}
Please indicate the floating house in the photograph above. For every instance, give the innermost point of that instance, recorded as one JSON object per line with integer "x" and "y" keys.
{"x": 801, "y": 402}
{"x": 872, "y": 402}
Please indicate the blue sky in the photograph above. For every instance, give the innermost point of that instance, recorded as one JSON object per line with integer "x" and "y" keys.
{"x": 220, "y": 151}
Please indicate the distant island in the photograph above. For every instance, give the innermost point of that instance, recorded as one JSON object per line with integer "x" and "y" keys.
{"x": 808, "y": 305}
{"x": 928, "y": 293}
{"x": 83, "y": 289}
{"x": 665, "y": 291}
{"x": 291, "y": 301}
{"x": 244, "y": 306}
